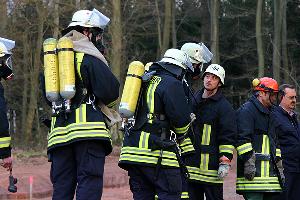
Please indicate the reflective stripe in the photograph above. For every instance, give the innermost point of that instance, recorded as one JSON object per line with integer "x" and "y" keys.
{"x": 206, "y": 134}
{"x": 53, "y": 120}
{"x": 186, "y": 146}
{"x": 258, "y": 183}
{"x": 112, "y": 104}
{"x": 244, "y": 148}
{"x": 79, "y": 58}
{"x": 144, "y": 139}
{"x": 155, "y": 80}
{"x": 5, "y": 142}
{"x": 210, "y": 176}
{"x": 226, "y": 149}
{"x": 265, "y": 164}
{"x": 81, "y": 113}
{"x": 185, "y": 195}
{"x": 138, "y": 155}
{"x": 278, "y": 153}
{"x": 204, "y": 157}
{"x": 182, "y": 130}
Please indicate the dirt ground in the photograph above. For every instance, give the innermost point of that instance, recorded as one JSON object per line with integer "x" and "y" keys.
{"x": 115, "y": 180}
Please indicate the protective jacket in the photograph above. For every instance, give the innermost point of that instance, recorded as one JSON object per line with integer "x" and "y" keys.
{"x": 287, "y": 129}
{"x": 255, "y": 134}
{"x": 5, "y": 148}
{"x": 213, "y": 135}
{"x": 163, "y": 108}
{"x": 86, "y": 121}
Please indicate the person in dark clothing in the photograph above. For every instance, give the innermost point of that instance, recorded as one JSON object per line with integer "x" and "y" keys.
{"x": 150, "y": 149}
{"x": 287, "y": 129}
{"x": 213, "y": 136}
{"x": 5, "y": 73}
{"x": 256, "y": 144}
{"x": 78, "y": 141}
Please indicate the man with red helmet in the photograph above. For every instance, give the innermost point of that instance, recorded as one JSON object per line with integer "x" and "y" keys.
{"x": 256, "y": 176}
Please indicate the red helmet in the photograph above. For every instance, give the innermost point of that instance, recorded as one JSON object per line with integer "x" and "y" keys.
{"x": 265, "y": 84}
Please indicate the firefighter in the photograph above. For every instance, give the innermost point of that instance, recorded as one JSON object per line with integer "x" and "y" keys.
{"x": 79, "y": 140}
{"x": 213, "y": 135}
{"x": 287, "y": 129}
{"x": 257, "y": 177}
{"x": 5, "y": 73}
{"x": 150, "y": 148}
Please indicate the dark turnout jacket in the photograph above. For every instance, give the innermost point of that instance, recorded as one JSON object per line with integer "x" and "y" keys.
{"x": 213, "y": 135}
{"x": 255, "y": 134}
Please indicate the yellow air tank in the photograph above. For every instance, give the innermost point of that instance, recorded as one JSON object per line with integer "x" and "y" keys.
{"x": 51, "y": 69}
{"x": 66, "y": 68}
{"x": 131, "y": 89}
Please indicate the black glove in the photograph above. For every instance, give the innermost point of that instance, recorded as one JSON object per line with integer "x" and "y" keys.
{"x": 249, "y": 167}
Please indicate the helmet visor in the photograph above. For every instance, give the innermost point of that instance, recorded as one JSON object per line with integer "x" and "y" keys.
{"x": 206, "y": 54}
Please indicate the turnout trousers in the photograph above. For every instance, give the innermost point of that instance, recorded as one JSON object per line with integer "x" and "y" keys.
{"x": 144, "y": 184}
{"x": 211, "y": 192}
{"x": 78, "y": 167}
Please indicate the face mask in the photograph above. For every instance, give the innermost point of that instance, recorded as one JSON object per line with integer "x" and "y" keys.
{"x": 6, "y": 67}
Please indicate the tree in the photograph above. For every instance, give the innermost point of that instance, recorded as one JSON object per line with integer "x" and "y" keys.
{"x": 214, "y": 16}
{"x": 259, "y": 39}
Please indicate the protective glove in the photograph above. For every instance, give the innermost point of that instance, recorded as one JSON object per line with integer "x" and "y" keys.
{"x": 249, "y": 167}
{"x": 280, "y": 169}
{"x": 224, "y": 167}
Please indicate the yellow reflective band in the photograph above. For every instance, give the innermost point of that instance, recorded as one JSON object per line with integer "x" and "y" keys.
{"x": 155, "y": 80}
{"x": 77, "y": 126}
{"x": 210, "y": 176}
{"x": 144, "y": 139}
{"x": 138, "y": 155}
{"x": 278, "y": 153}
{"x": 182, "y": 130}
{"x": 206, "y": 134}
{"x": 187, "y": 149}
{"x": 81, "y": 113}
{"x": 53, "y": 120}
{"x": 265, "y": 164}
{"x": 185, "y": 195}
{"x": 244, "y": 148}
{"x": 226, "y": 149}
{"x": 255, "y": 187}
{"x": 112, "y": 104}
{"x": 204, "y": 161}
{"x": 156, "y": 197}
{"x": 5, "y": 142}
{"x": 271, "y": 179}
{"x": 79, "y": 58}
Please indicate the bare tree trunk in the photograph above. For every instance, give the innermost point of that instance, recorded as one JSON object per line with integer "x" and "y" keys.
{"x": 56, "y": 19}
{"x": 259, "y": 40}
{"x": 205, "y": 22}
{"x": 285, "y": 63}
{"x": 158, "y": 29}
{"x": 214, "y": 15}
{"x": 174, "y": 32}
{"x": 116, "y": 35}
{"x": 32, "y": 106}
{"x": 167, "y": 26}
{"x": 277, "y": 39}
{"x": 3, "y": 17}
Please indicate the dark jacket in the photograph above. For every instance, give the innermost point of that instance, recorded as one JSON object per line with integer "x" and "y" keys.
{"x": 213, "y": 135}
{"x": 163, "y": 108}
{"x": 287, "y": 129}
{"x": 255, "y": 134}
{"x": 5, "y": 148}
{"x": 86, "y": 122}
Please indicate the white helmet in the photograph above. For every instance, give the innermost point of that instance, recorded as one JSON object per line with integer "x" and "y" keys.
{"x": 217, "y": 70}
{"x": 5, "y": 46}
{"x": 197, "y": 52}
{"x": 177, "y": 57}
{"x": 87, "y": 18}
